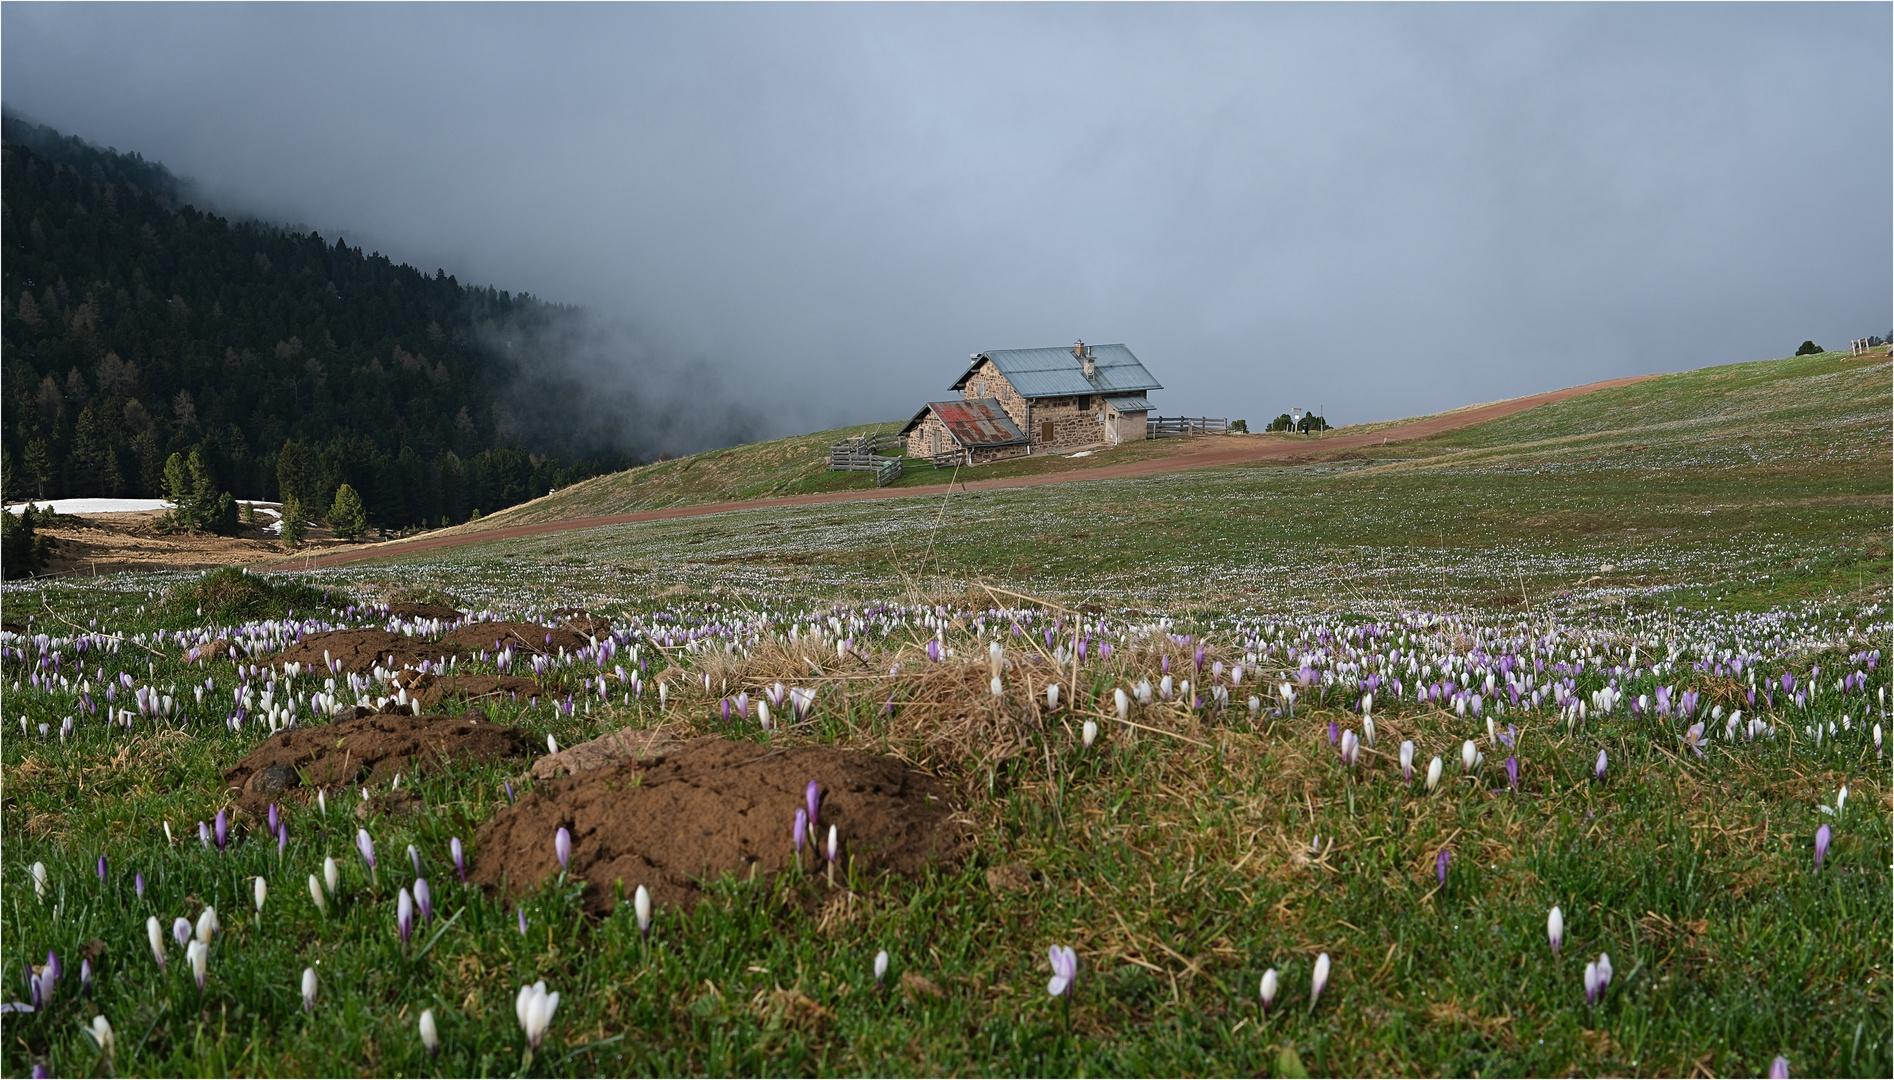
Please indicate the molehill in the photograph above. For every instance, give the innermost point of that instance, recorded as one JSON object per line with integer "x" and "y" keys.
{"x": 364, "y": 751}
{"x": 711, "y": 807}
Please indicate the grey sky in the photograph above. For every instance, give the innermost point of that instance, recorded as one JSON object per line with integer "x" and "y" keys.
{"x": 1379, "y": 210}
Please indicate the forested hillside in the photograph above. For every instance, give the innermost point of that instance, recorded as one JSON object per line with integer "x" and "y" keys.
{"x": 136, "y": 326}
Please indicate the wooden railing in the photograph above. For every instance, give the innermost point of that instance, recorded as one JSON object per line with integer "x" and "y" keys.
{"x": 861, "y": 454}
{"x": 949, "y": 459}
{"x": 1164, "y": 427}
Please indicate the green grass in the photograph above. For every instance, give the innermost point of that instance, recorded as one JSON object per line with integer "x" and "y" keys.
{"x": 1176, "y": 861}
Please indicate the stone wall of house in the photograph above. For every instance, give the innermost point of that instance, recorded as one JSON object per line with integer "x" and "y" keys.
{"x": 984, "y": 454}
{"x": 987, "y": 382}
{"x": 1062, "y": 423}
{"x": 927, "y": 435}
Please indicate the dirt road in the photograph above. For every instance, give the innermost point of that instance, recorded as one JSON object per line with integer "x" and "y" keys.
{"x": 1238, "y": 452}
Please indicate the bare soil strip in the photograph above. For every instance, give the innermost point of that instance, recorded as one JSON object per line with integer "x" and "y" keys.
{"x": 1242, "y": 452}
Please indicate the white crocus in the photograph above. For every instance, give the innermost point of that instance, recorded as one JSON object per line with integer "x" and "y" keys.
{"x": 1434, "y": 769}
{"x": 316, "y": 894}
{"x": 1088, "y": 733}
{"x": 198, "y": 954}
{"x": 154, "y": 932}
{"x": 331, "y": 875}
{"x": 430, "y": 1035}
{"x": 535, "y": 1008}
{"x": 641, "y": 905}
{"x": 207, "y": 925}
{"x": 262, "y": 890}
{"x": 309, "y": 988}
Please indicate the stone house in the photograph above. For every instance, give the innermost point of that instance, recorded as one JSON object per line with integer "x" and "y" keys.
{"x": 1016, "y": 402}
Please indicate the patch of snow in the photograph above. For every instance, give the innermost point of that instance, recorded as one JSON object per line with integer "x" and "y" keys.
{"x": 95, "y": 506}
{"x": 1083, "y": 453}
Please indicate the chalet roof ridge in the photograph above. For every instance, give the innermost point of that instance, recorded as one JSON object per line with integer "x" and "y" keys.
{"x": 1058, "y": 372}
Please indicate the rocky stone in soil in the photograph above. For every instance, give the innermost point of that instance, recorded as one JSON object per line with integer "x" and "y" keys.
{"x": 362, "y": 650}
{"x": 364, "y": 751}
{"x": 491, "y": 637}
{"x": 710, "y": 807}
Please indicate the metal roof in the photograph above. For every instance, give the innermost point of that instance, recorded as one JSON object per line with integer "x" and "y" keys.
{"x": 1040, "y": 373}
{"x": 1125, "y": 403}
{"x": 982, "y": 422}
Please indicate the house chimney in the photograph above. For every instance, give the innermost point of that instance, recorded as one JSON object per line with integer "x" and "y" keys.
{"x": 1084, "y": 354}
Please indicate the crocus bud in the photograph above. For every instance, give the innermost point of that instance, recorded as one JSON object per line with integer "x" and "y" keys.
{"x": 181, "y": 930}
{"x": 460, "y": 858}
{"x": 1440, "y": 866}
{"x": 331, "y": 875}
{"x": 881, "y": 966}
{"x": 1469, "y": 756}
{"x": 1407, "y": 762}
{"x": 1052, "y": 697}
{"x": 102, "y": 870}
{"x": 1779, "y": 1068}
{"x": 101, "y": 1033}
{"x": 414, "y": 857}
{"x": 1598, "y": 771}
{"x": 812, "y": 802}
{"x": 316, "y": 894}
{"x": 835, "y": 846}
{"x": 1591, "y": 982}
{"x": 1512, "y": 772}
{"x": 261, "y": 890}
{"x": 40, "y": 886}
{"x": 404, "y": 914}
{"x": 1318, "y": 980}
{"x": 365, "y": 844}
{"x": 1555, "y": 928}
{"x": 1122, "y": 701}
{"x": 208, "y": 924}
{"x": 424, "y": 900}
{"x": 562, "y": 847}
{"x": 430, "y": 1036}
{"x": 222, "y": 829}
{"x": 309, "y": 988}
{"x": 1351, "y": 748}
{"x": 1822, "y": 837}
{"x": 1434, "y": 769}
{"x": 198, "y": 954}
{"x": 996, "y": 687}
{"x": 552, "y": 744}
{"x": 154, "y": 932}
{"x": 1271, "y": 980}
{"x": 641, "y": 907}
{"x": 1088, "y": 732}
{"x": 322, "y": 801}
{"x": 801, "y": 832}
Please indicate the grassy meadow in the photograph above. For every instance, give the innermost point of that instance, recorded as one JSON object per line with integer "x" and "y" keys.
{"x": 1689, "y": 576}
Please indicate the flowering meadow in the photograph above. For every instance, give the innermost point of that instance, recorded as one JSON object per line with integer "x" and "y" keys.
{"x": 1293, "y": 771}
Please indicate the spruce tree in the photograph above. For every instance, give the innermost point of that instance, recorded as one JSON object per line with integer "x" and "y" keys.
{"x": 346, "y": 515}
{"x": 292, "y": 522}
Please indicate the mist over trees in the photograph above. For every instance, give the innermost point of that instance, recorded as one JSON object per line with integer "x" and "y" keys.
{"x": 136, "y": 327}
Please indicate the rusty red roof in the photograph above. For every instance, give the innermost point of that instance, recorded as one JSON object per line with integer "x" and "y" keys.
{"x": 981, "y": 422}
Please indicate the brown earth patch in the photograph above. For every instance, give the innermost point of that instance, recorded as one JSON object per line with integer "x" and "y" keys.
{"x": 716, "y": 807}
{"x": 521, "y": 637}
{"x": 361, "y": 650}
{"x": 366, "y": 750}
{"x": 625, "y": 744}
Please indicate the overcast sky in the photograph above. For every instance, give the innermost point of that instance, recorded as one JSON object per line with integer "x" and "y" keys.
{"x": 1378, "y": 210}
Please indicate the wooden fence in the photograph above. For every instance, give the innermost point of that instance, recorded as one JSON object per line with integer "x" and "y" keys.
{"x": 863, "y": 454}
{"x": 1166, "y": 427}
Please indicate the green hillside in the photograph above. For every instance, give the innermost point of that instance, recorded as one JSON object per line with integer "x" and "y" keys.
{"x": 136, "y": 326}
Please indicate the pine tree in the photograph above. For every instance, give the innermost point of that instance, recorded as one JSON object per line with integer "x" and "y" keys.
{"x": 39, "y": 463}
{"x": 346, "y": 515}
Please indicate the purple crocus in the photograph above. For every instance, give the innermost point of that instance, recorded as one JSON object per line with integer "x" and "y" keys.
{"x": 562, "y": 847}
{"x": 522, "y": 914}
{"x": 1440, "y": 865}
{"x": 138, "y": 884}
{"x": 1779, "y": 1068}
{"x": 1599, "y": 771}
{"x": 102, "y": 875}
{"x": 85, "y": 976}
{"x": 812, "y": 799}
{"x": 1065, "y": 969}
{"x": 1334, "y": 733}
{"x": 181, "y": 930}
{"x": 802, "y": 830}
{"x": 424, "y": 899}
{"x": 282, "y": 839}
{"x": 203, "y": 834}
{"x": 404, "y": 915}
{"x": 460, "y": 858}
{"x": 1512, "y": 772}
{"x": 1822, "y": 837}
{"x": 223, "y": 829}
{"x": 414, "y": 856}
{"x": 276, "y": 817}
{"x": 508, "y": 785}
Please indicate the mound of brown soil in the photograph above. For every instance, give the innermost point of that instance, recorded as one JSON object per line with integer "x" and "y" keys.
{"x": 361, "y": 650}
{"x": 713, "y": 807}
{"x": 425, "y": 611}
{"x": 366, "y": 750}
{"x": 521, "y": 637}
{"x": 431, "y": 690}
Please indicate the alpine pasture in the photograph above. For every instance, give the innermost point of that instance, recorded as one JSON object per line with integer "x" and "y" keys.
{"x": 1551, "y": 745}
